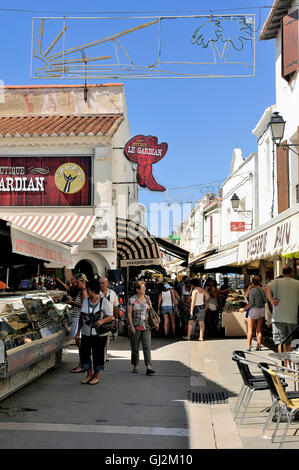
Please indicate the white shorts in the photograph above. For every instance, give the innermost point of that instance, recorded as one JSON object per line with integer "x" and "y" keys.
{"x": 256, "y": 313}
{"x": 74, "y": 327}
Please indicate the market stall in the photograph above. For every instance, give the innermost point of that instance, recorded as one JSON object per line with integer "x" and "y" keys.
{"x": 34, "y": 328}
{"x": 233, "y": 320}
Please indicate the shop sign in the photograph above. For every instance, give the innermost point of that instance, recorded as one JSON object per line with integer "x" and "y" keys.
{"x": 145, "y": 151}
{"x": 275, "y": 240}
{"x": 45, "y": 181}
{"x": 237, "y": 226}
{"x": 100, "y": 243}
{"x": 26, "y": 244}
{"x": 140, "y": 262}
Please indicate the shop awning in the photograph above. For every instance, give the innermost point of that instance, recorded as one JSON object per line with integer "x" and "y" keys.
{"x": 223, "y": 258}
{"x": 135, "y": 245}
{"x": 61, "y": 228}
{"x": 26, "y": 243}
{"x": 173, "y": 250}
{"x": 200, "y": 259}
{"x": 277, "y": 237}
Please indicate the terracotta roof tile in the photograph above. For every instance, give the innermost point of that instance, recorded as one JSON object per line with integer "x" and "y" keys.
{"x": 59, "y": 125}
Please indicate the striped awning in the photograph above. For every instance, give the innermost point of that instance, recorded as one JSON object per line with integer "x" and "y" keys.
{"x": 61, "y": 228}
{"x": 135, "y": 245}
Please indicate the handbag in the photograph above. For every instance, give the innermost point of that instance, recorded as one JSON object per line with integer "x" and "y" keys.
{"x": 105, "y": 327}
{"x": 268, "y": 315}
{"x": 211, "y": 305}
{"x": 153, "y": 318}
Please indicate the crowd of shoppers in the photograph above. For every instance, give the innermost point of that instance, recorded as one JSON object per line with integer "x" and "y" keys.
{"x": 191, "y": 301}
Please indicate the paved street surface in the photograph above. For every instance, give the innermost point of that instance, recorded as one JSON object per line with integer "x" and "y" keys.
{"x": 133, "y": 411}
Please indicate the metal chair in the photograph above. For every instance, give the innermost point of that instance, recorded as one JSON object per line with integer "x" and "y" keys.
{"x": 251, "y": 383}
{"x": 274, "y": 395}
{"x": 288, "y": 404}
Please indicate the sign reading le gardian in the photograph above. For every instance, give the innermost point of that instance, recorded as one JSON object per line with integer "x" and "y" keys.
{"x": 145, "y": 151}
{"x": 45, "y": 181}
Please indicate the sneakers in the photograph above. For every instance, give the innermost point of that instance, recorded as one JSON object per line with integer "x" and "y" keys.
{"x": 186, "y": 338}
{"x": 248, "y": 349}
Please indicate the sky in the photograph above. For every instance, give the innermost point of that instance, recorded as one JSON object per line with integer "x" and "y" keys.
{"x": 201, "y": 119}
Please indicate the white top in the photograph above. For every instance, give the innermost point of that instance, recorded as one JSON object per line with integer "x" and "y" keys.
{"x": 166, "y": 299}
{"x": 199, "y": 299}
{"x": 87, "y": 308}
{"x": 112, "y": 297}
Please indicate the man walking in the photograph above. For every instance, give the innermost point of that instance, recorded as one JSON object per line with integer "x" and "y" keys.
{"x": 283, "y": 293}
{"x": 111, "y": 296}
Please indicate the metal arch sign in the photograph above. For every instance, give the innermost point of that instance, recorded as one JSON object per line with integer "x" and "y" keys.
{"x": 145, "y": 151}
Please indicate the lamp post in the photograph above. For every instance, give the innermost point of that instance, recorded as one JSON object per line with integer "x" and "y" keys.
{"x": 235, "y": 201}
{"x": 277, "y": 126}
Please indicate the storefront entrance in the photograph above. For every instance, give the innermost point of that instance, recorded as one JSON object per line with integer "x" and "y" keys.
{"x": 85, "y": 267}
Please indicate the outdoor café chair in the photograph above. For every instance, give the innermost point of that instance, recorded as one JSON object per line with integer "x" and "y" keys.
{"x": 274, "y": 394}
{"x": 251, "y": 383}
{"x": 288, "y": 404}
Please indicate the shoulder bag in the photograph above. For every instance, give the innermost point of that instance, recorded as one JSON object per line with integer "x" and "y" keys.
{"x": 105, "y": 327}
{"x": 153, "y": 318}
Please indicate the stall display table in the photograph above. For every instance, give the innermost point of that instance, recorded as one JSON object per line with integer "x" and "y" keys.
{"x": 234, "y": 321}
{"x": 34, "y": 329}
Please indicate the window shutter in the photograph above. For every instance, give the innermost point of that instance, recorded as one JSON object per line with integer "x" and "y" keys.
{"x": 282, "y": 156}
{"x": 290, "y": 45}
{"x": 211, "y": 230}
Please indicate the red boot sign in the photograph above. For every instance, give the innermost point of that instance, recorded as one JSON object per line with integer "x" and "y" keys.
{"x": 145, "y": 151}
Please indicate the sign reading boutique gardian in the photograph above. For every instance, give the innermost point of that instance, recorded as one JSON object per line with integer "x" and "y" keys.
{"x": 277, "y": 239}
{"x": 45, "y": 181}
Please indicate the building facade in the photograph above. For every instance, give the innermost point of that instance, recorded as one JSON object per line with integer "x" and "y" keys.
{"x": 62, "y": 156}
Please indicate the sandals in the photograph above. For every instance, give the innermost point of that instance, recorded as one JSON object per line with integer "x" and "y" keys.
{"x": 94, "y": 381}
{"x": 86, "y": 380}
{"x": 150, "y": 371}
{"x": 77, "y": 370}
{"x": 135, "y": 370}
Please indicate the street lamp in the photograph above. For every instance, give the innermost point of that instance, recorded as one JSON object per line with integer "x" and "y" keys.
{"x": 277, "y": 126}
{"x": 235, "y": 201}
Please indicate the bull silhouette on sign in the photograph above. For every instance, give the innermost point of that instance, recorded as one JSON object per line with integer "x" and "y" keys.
{"x": 145, "y": 151}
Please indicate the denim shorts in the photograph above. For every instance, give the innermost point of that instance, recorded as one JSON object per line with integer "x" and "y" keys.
{"x": 199, "y": 313}
{"x": 167, "y": 310}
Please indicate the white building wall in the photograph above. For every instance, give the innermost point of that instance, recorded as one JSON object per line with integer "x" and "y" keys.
{"x": 242, "y": 181}
{"x": 267, "y": 169}
{"x": 108, "y": 161}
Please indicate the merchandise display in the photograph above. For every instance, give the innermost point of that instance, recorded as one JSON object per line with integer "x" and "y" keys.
{"x": 33, "y": 316}
{"x": 234, "y": 320}
{"x": 33, "y": 326}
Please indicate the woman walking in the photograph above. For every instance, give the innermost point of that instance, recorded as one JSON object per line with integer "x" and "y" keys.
{"x": 80, "y": 283}
{"x": 95, "y": 311}
{"x": 140, "y": 330}
{"x": 212, "y": 314}
{"x": 197, "y": 310}
{"x": 256, "y": 303}
{"x": 167, "y": 303}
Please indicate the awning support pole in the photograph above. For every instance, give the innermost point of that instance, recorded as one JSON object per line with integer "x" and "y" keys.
{"x": 7, "y": 277}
